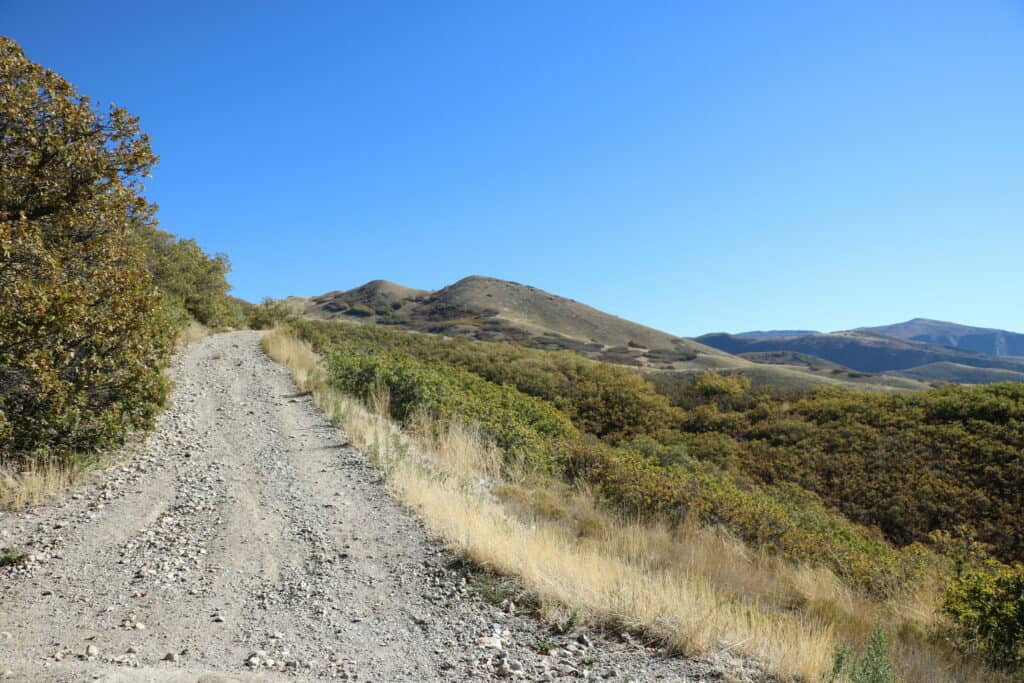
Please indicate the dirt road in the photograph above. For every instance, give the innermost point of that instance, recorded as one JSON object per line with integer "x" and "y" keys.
{"x": 244, "y": 540}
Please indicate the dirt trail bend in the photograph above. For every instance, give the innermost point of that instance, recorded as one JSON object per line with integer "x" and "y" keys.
{"x": 244, "y": 540}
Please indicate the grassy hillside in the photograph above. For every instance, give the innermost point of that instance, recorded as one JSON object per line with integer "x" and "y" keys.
{"x": 783, "y": 376}
{"x": 376, "y": 300}
{"x": 961, "y": 374}
{"x": 711, "y": 450}
{"x": 488, "y": 309}
{"x": 775, "y": 334}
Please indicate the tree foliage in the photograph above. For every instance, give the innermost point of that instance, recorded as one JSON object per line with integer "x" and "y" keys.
{"x": 194, "y": 283}
{"x": 986, "y": 605}
{"x": 909, "y": 464}
{"x": 81, "y": 337}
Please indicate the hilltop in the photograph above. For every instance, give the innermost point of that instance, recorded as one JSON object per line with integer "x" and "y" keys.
{"x": 905, "y": 356}
{"x": 983, "y": 340}
{"x": 490, "y": 309}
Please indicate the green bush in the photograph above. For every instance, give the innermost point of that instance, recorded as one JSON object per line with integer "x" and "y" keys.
{"x": 784, "y": 518}
{"x": 986, "y": 606}
{"x": 909, "y": 464}
{"x": 194, "y": 283}
{"x": 875, "y": 665}
{"x": 608, "y": 401}
{"x": 640, "y": 466}
{"x": 268, "y": 314}
{"x": 523, "y": 426}
{"x": 360, "y": 310}
{"x": 83, "y": 338}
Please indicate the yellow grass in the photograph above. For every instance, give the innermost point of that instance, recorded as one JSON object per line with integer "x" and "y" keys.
{"x": 192, "y": 332}
{"x": 21, "y": 488}
{"x": 696, "y": 589}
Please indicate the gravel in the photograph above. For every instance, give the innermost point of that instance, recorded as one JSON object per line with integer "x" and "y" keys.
{"x": 244, "y": 540}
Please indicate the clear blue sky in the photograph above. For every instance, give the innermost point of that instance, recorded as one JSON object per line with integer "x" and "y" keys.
{"x": 692, "y": 166}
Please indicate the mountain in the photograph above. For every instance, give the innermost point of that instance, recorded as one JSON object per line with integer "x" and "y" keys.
{"x": 991, "y": 342}
{"x": 865, "y": 351}
{"x": 774, "y": 334}
{"x": 490, "y": 309}
{"x": 377, "y": 297}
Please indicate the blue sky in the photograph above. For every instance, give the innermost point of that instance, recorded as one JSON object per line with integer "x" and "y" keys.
{"x": 692, "y": 166}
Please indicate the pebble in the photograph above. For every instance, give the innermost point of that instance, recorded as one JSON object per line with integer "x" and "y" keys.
{"x": 490, "y": 642}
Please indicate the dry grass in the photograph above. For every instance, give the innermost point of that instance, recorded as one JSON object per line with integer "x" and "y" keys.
{"x": 696, "y": 589}
{"x": 192, "y": 332}
{"x": 39, "y": 482}
{"x": 438, "y": 472}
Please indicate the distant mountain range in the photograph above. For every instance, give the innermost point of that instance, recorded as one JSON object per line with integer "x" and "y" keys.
{"x": 928, "y": 350}
{"x": 978, "y": 339}
{"x": 908, "y": 355}
{"x": 775, "y": 334}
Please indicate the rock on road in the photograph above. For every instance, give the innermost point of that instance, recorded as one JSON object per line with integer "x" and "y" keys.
{"x": 245, "y": 540}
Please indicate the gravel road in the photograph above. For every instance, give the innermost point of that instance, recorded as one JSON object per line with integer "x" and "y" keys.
{"x": 245, "y": 540}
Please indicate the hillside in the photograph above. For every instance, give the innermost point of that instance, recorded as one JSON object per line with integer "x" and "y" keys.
{"x": 960, "y": 374}
{"x": 863, "y": 351}
{"x": 983, "y": 340}
{"x": 490, "y": 309}
{"x": 861, "y": 483}
{"x": 774, "y": 334}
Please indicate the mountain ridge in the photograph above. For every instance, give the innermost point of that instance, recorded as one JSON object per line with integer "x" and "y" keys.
{"x": 492, "y": 309}
{"x": 985, "y": 340}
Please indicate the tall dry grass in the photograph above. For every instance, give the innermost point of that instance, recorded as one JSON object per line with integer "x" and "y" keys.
{"x": 34, "y": 484}
{"x": 192, "y": 332}
{"x": 696, "y": 589}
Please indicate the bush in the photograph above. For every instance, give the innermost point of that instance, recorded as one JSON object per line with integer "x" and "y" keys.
{"x": 268, "y": 314}
{"x": 525, "y": 427}
{"x": 987, "y": 608}
{"x": 82, "y": 335}
{"x": 608, "y": 401}
{"x": 640, "y": 465}
{"x": 194, "y": 283}
{"x": 360, "y": 311}
{"x": 874, "y": 666}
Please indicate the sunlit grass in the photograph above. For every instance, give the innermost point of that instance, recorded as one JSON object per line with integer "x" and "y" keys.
{"x": 698, "y": 590}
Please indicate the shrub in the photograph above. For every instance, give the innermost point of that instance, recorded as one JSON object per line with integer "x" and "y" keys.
{"x": 82, "y": 336}
{"x": 360, "y": 311}
{"x": 266, "y": 315}
{"x": 192, "y": 281}
{"x": 874, "y": 666}
{"x": 987, "y": 608}
{"x": 523, "y": 426}
{"x": 639, "y": 466}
